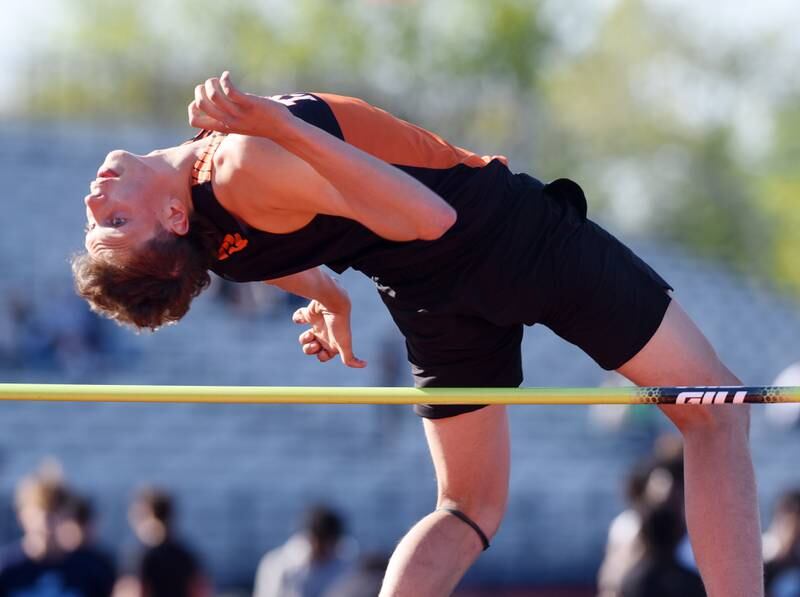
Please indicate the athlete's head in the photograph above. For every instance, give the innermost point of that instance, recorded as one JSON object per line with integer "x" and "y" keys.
{"x": 143, "y": 263}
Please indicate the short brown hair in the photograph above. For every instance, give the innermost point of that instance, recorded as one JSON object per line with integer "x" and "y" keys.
{"x": 154, "y": 287}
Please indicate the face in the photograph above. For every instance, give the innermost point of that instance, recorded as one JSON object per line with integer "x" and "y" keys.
{"x": 127, "y": 205}
{"x": 35, "y": 520}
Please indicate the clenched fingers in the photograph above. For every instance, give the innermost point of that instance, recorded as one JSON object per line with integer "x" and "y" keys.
{"x": 323, "y": 356}
{"x": 231, "y": 90}
{"x": 301, "y": 315}
{"x": 217, "y": 96}
{"x": 208, "y": 107}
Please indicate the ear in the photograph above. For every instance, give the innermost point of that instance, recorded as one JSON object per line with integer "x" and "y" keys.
{"x": 176, "y": 217}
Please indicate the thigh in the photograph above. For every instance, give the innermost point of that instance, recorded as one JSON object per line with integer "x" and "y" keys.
{"x": 471, "y": 458}
{"x": 679, "y": 354}
{"x": 603, "y": 297}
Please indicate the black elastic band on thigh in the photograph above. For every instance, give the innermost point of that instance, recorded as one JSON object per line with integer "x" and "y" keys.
{"x": 463, "y": 517}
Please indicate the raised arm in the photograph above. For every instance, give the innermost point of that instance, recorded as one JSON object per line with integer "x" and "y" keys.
{"x": 372, "y": 189}
{"x": 368, "y": 190}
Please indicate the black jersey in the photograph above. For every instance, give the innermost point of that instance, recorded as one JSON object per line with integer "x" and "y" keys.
{"x": 519, "y": 253}
{"x": 410, "y": 272}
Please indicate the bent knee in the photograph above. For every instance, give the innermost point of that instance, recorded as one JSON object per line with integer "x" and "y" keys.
{"x": 721, "y": 419}
{"x": 487, "y": 513}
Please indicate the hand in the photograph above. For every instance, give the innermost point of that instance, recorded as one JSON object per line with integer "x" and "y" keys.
{"x": 329, "y": 334}
{"x": 219, "y": 106}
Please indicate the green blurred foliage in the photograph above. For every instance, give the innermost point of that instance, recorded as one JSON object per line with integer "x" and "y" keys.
{"x": 779, "y": 194}
{"x": 493, "y": 76}
{"x": 696, "y": 190}
{"x": 441, "y": 63}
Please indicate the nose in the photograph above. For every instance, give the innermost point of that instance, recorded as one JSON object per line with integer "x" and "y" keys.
{"x": 96, "y": 207}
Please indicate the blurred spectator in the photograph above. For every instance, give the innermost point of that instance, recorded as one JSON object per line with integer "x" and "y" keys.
{"x": 77, "y": 337}
{"x": 622, "y": 546}
{"x": 39, "y": 565}
{"x": 31, "y": 344}
{"x": 391, "y": 360}
{"x": 364, "y": 580}
{"x": 654, "y": 483}
{"x": 7, "y": 331}
{"x": 782, "y": 548}
{"x": 391, "y": 371}
{"x": 65, "y": 336}
{"x": 785, "y": 415}
{"x": 658, "y": 573}
{"x": 165, "y": 567}
{"x": 76, "y": 535}
{"x": 616, "y": 417}
{"x": 310, "y": 562}
{"x": 256, "y": 300}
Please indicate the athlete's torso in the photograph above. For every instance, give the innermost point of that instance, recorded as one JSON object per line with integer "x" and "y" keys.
{"x": 481, "y": 189}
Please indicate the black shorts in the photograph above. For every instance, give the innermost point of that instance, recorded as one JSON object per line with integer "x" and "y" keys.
{"x": 587, "y": 287}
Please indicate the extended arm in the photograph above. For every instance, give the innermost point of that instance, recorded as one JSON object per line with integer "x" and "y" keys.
{"x": 361, "y": 187}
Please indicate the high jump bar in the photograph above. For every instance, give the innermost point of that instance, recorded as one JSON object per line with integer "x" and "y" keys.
{"x": 377, "y": 395}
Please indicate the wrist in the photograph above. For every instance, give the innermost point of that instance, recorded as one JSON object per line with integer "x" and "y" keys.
{"x": 334, "y": 298}
{"x": 337, "y": 302}
{"x": 285, "y": 128}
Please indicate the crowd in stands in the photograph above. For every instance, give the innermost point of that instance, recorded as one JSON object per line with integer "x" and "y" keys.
{"x": 648, "y": 553}
{"x": 58, "y": 556}
{"x": 65, "y": 337}
{"x": 320, "y": 560}
{"x": 255, "y": 300}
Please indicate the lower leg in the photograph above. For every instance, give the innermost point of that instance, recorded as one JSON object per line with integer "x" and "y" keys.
{"x": 431, "y": 558}
{"x": 470, "y": 454}
{"x": 720, "y": 489}
{"x": 721, "y": 510}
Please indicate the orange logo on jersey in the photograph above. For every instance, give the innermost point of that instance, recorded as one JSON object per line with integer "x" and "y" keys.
{"x": 232, "y": 243}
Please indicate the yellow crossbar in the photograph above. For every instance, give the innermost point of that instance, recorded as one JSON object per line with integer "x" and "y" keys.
{"x": 375, "y": 395}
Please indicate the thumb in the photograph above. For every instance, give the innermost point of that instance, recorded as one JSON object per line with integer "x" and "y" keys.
{"x": 301, "y": 315}
{"x": 349, "y": 359}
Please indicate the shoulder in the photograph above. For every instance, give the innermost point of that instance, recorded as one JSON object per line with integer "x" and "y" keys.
{"x": 258, "y": 180}
{"x": 295, "y": 552}
{"x": 246, "y": 167}
{"x": 239, "y": 153}
{"x": 256, "y": 160}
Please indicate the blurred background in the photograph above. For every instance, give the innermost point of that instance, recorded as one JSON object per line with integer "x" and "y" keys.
{"x": 680, "y": 119}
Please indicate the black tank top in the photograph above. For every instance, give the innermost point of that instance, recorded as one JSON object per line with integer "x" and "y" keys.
{"x": 484, "y": 193}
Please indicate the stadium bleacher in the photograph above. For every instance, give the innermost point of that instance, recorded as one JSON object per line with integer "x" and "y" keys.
{"x": 243, "y": 474}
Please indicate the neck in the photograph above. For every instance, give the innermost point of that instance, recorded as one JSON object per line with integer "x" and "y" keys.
{"x": 178, "y": 163}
